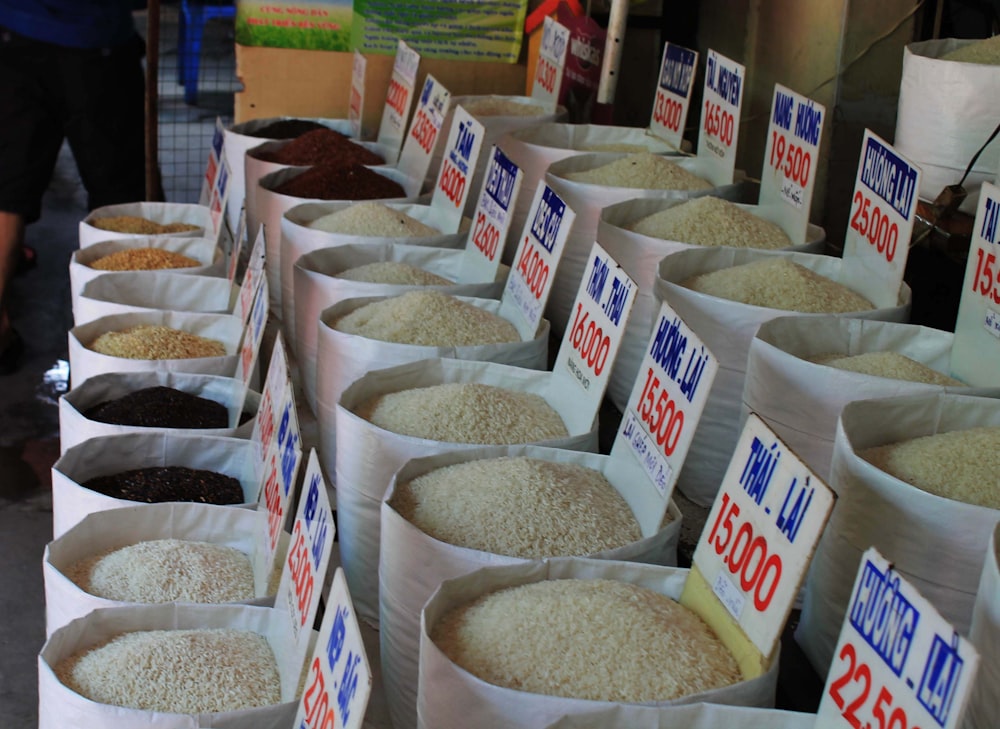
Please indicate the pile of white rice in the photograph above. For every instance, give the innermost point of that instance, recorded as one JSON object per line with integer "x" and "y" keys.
{"x": 893, "y": 365}
{"x": 591, "y": 639}
{"x": 985, "y": 51}
{"x": 427, "y": 318}
{"x": 177, "y": 671}
{"x": 614, "y": 147}
{"x": 467, "y": 412}
{"x": 167, "y": 570}
{"x": 643, "y": 171}
{"x": 393, "y": 272}
{"x": 963, "y": 465}
{"x": 712, "y": 221}
{"x": 373, "y": 219}
{"x": 520, "y": 507}
{"x": 494, "y": 106}
{"x": 777, "y": 283}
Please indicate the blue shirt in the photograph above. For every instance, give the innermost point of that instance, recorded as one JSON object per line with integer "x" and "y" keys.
{"x": 88, "y": 24}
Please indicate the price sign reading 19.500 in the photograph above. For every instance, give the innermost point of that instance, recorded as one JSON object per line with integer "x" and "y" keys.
{"x": 673, "y": 93}
{"x": 761, "y": 533}
{"x": 898, "y": 664}
{"x": 720, "y": 117}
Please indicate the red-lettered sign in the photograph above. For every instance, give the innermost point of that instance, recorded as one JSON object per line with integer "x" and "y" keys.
{"x": 791, "y": 158}
{"x": 214, "y": 158}
{"x": 398, "y": 98}
{"x": 551, "y": 62}
{"x": 218, "y": 198}
{"x": 491, "y": 220}
{"x": 722, "y": 100}
{"x": 239, "y": 239}
{"x": 597, "y": 322}
{"x": 253, "y": 334}
{"x": 667, "y": 401}
{"x": 883, "y": 207}
{"x": 461, "y": 153}
{"x": 415, "y": 159}
{"x": 356, "y": 102}
{"x": 272, "y": 396}
{"x": 761, "y": 533}
{"x": 898, "y": 664}
{"x": 339, "y": 680}
{"x": 533, "y": 274}
{"x": 673, "y": 93}
{"x": 252, "y": 277}
{"x": 975, "y": 354}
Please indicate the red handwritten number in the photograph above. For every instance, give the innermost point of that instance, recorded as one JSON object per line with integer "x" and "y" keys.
{"x": 534, "y": 269}
{"x": 590, "y": 340}
{"x": 546, "y": 76}
{"x": 874, "y": 225}
{"x": 486, "y": 237}
{"x": 423, "y": 131}
{"x": 719, "y": 123}
{"x": 793, "y": 161}
{"x": 660, "y": 412}
{"x": 986, "y": 279}
{"x": 856, "y": 673}
{"x": 396, "y": 96}
{"x": 667, "y": 112}
{"x": 758, "y": 572}
{"x": 452, "y": 182}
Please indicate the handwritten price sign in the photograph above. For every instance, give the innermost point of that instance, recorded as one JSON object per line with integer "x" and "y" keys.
{"x": 551, "y": 62}
{"x": 491, "y": 220}
{"x": 356, "y": 102}
{"x": 761, "y": 533}
{"x": 253, "y": 335}
{"x": 339, "y": 680}
{"x": 415, "y": 159}
{"x": 465, "y": 140}
{"x": 673, "y": 93}
{"x": 398, "y": 97}
{"x": 898, "y": 664}
{"x": 723, "y": 99}
{"x": 214, "y": 158}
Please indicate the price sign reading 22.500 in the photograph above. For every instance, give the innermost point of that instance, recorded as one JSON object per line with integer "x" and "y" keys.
{"x": 761, "y": 533}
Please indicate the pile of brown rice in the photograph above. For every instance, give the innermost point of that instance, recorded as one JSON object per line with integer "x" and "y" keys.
{"x": 143, "y": 259}
{"x": 373, "y": 219}
{"x": 644, "y": 171}
{"x": 393, "y": 273}
{"x": 962, "y": 465}
{"x": 520, "y": 507}
{"x": 152, "y": 341}
{"x": 167, "y": 570}
{"x": 601, "y": 640}
{"x": 712, "y": 221}
{"x": 893, "y": 365}
{"x": 427, "y": 318}
{"x": 468, "y": 412}
{"x": 140, "y": 226}
{"x": 177, "y": 671}
{"x": 777, "y": 283}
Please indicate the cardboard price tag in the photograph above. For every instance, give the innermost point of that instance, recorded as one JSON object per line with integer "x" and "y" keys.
{"x": 239, "y": 240}
{"x": 551, "y": 62}
{"x": 791, "y": 158}
{"x": 308, "y": 555}
{"x": 253, "y": 335}
{"x": 418, "y": 147}
{"x": 339, "y": 679}
{"x": 975, "y": 353}
{"x": 542, "y": 243}
{"x": 219, "y": 196}
{"x": 720, "y": 118}
{"x": 597, "y": 323}
{"x": 212, "y": 166}
{"x": 252, "y": 277}
{"x": 673, "y": 94}
{"x": 667, "y": 401}
{"x": 461, "y": 154}
{"x": 491, "y": 219}
{"x": 356, "y": 102}
{"x": 877, "y": 241}
{"x": 760, "y": 535}
{"x": 399, "y": 97}
{"x": 272, "y": 396}
{"x": 898, "y": 664}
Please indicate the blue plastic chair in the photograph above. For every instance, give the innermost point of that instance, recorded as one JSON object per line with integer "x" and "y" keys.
{"x": 191, "y": 27}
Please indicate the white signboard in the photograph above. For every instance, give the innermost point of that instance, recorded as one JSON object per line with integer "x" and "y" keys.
{"x": 253, "y": 334}
{"x": 722, "y": 100}
{"x": 551, "y": 62}
{"x": 673, "y": 94}
{"x": 356, "y": 103}
{"x": 398, "y": 98}
{"x": 461, "y": 153}
{"x": 212, "y": 166}
{"x": 898, "y": 664}
{"x": 415, "y": 159}
{"x": 491, "y": 220}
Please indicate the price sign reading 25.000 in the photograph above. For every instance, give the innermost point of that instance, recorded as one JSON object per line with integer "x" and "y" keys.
{"x": 898, "y": 664}
{"x": 761, "y": 533}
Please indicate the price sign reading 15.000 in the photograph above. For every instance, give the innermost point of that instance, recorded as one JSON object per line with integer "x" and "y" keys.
{"x": 761, "y": 532}
{"x": 898, "y": 664}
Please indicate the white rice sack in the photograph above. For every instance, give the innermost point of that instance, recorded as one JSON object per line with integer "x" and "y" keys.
{"x": 985, "y": 636}
{"x": 449, "y": 696}
{"x": 319, "y": 286}
{"x": 801, "y": 400}
{"x": 113, "y": 454}
{"x": 343, "y": 357}
{"x": 300, "y": 236}
{"x": 85, "y": 362}
{"x": 367, "y": 455}
{"x": 211, "y": 261}
{"x": 244, "y": 136}
{"x": 690, "y": 716}
{"x": 159, "y": 213}
{"x": 639, "y": 256}
{"x": 946, "y": 112}
{"x": 59, "y": 706}
{"x": 75, "y": 426}
{"x": 588, "y": 199}
{"x": 727, "y": 328}
{"x": 138, "y": 291}
{"x": 412, "y": 562}
{"x": 139, "y": 528}
{"x": 936, "y": 543}
{"x": 271, "y": 206}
